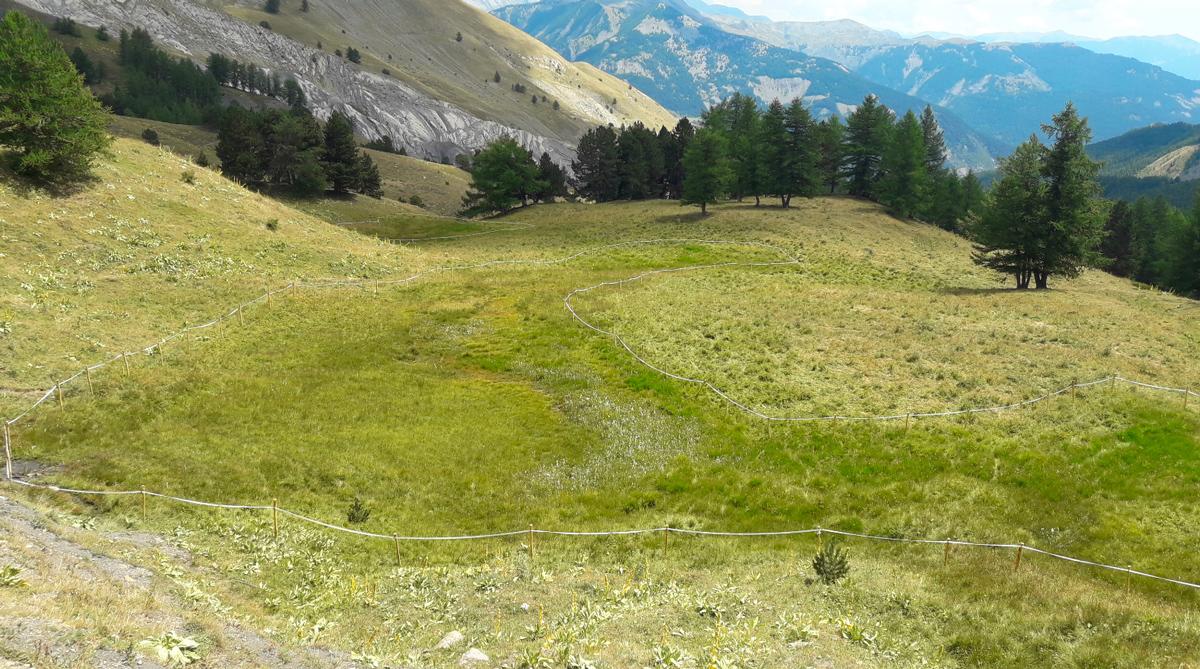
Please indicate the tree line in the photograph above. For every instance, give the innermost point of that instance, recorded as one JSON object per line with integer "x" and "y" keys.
{"x": 743, "y": 150}
{"x": 1154, "y": 242}
{"x": 289, "y": 150}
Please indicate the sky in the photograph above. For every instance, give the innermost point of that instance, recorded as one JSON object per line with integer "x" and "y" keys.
{"x": 1088, "y": 18}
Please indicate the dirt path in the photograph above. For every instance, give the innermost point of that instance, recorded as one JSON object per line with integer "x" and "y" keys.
{"x": 81, "y": 606}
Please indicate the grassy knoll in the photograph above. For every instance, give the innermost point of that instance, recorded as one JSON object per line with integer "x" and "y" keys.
{"x": 470, "y": 401}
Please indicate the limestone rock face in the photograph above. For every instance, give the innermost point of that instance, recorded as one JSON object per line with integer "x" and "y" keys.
{"x": 379, "y": 105}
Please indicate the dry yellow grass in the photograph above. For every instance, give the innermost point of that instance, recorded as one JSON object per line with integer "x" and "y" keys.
{"x": 140, "y": 253}
{"x": 886, "y": 317}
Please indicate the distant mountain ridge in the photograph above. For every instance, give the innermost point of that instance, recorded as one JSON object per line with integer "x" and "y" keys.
{"x": 1169, "y": 151}
{"x": 687, "y": 61}
{"x": 998, "y": 93}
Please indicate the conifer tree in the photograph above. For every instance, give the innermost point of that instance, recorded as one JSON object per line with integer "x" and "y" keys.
{"x": 341, "y": 154}
{"x": 597, "y": 166}
{"x": 369, "y": 181}
{"x": 706, "y": 169}
{"x": 776, "y": 154}
{"x": 1006, "y": 235}
{"x": 681, "y": 137}
{"x": 830, "y": 152}
{"x": 553, "y": 179}
{"x": 935, "y": 142}
{"x": 1117, "y": 246}
{"x": 867, "y": 135}
{"x": 904, "y": 183}
{"x": 504, "y": 175}
{"x": 802, "y": 175}
{"x": 48, "y": 118}
{"x": 1075, "y": 220}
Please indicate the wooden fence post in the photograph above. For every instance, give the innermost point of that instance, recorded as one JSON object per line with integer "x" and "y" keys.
{"x": 531, "y": 545}
{"x": 7, "y": 453}
{"x": 275, "y": 517}
{"x": 946, "y": 553}
{"x": 125, "y": 359}
{"x": 666, "y": 533}
{"x": 1186, "y": 393}
{"x": 88, "y": 373}
{"x": 58, "y": 391}
{"x": 1017, "y": 562}
{"x": 396, "y": 541}
{"x": 143, "y": 505}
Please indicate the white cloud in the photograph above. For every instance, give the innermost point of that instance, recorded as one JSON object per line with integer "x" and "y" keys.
{"x": 1091, "y": 18}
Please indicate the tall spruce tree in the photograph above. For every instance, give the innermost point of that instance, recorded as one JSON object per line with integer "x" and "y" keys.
{"x": 904, "y": 184}
{"x": 641, "y": 162}
{"x": 1075, "y": 217}
{"x": 240, "y": 145}
{"x": 1006, "y": 235}
{"x": 598, "y": 165}
{"x": 868, "y": 130}
{"x": 682, "y": 135}
{"x": 1117, "y": 246}
{"x": 802, "y": 177}
{"x": 935, "y": 142}
{"x": 830, "y": 152}
{"x": 706, "y": 169}
{"x": 552, "y": 178}
{"x": 341, "y": 154}
{"x": 776, "y": 155}
{"x": 49, "y": 120}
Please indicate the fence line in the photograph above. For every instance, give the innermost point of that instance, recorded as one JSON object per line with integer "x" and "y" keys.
{"x": 156, "y": 348}
{"x": 1020, "y": 547}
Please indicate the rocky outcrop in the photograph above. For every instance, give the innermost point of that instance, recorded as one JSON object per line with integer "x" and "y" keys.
{"x": 378, "y": 104}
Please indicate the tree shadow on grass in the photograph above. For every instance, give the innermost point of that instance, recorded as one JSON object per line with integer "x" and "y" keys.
{"x": 684, "y": 217}
{"x": 998, "y": 290}
{"x": 57, "y": 185}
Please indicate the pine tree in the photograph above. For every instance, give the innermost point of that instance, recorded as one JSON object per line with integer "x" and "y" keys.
{"x": 292, "y": 152}
{"x": 641, "y": 162}
{"x": 48, "y": 118}
{"x": 341, "y": 154}
{"x": 504, "y": 176}
{"x": 706, "y": 169}
{"x": 240, "y": 146}
{"x": 598, "y": 165}
{"x": 867, "y": 135}
{"x": 1006, "y": 234}
{"x": 802, "y": 175}
{"x": 553, "y": 179}
{"x": 776, "y": 153}
{"x": 369, "y": 181}
{"x": 1117, "y": 246}
{"x": 904, "y": 183}
{"x": 935, "y": 142}
{"x": 673, "y": 165}
{"x": 1075, "y": 220}
{"x": 93, "y": 73}
{"x": 830, "y": 152}
{"x": 973, "y": 195}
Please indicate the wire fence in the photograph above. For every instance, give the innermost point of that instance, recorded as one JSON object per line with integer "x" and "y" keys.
{"x": 276, "y": 510}
{"x": 237, "y": 312}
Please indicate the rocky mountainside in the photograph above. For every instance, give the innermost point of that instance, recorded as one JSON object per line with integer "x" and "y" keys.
{"x": 687, "y": 61}
{"x": 428, "y": 71}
